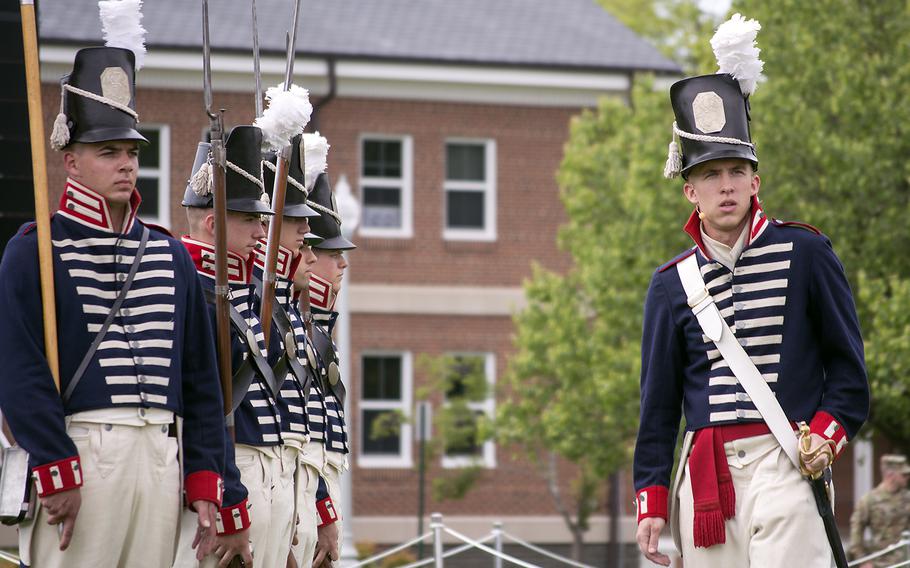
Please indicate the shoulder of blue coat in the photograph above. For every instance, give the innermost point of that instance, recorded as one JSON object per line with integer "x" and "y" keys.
{"x": 159, "y": 229}
{"x": 798, "y": 224}
{"x": 677, "y": 260}
{"x": 28, "y": 228}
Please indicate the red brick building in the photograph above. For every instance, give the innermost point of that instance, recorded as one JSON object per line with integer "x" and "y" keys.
{"x": 448, "y": 120}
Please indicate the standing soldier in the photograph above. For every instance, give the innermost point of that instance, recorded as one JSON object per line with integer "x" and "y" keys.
{"x": 885, "y": 511}
{"x": 329, "y": 444}
{"x": 136, "y": 351}
{"x": 261, "y": 500}
{"x": 752, "y": 293}
{"x": 295, "y": 259}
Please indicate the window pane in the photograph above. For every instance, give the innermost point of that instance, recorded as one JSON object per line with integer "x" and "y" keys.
{"x": 465, "y": 162}
{"x": 148, "y": 189}
{"x": 382, "y": 158}
{"x": 467, "y": 378}
{"x": 463, "y": 442}
{"x": 464, "y": 209}
{"x": 150, "y": 154}
{"x": 381, "y": 207}
{"x": 388, "y": 444}
{"x": 382, "y": 378}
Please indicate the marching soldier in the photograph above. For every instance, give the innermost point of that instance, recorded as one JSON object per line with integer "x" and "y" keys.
{"x": 753, "y": 299}
{"x": 136, "y": 354}
{"x": 260, "y": 501}
{"x": 328, "y": 431}
{"x": 885, "y": 511}
{"x": 296, "y": 364}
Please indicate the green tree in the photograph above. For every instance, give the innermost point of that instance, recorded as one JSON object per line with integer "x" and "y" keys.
{"x": 831, "y": 126}
{"x": 572, "y": 388}
{"x": 678, "y": 28}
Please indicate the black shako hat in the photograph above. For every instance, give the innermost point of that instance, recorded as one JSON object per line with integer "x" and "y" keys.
{"x": 98, "y": 99}
{"x": 712, "y": 120}
{"x": 296, "y": 194}
{"x": 243, "y": 184}
{"x": 328, "y": 224}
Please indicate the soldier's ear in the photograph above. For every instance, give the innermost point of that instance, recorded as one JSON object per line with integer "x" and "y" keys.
{"x": 209, "y": 223}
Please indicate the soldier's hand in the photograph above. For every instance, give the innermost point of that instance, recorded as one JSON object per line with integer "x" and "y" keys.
{"x": 205, "y": 531}
{"x": 866, "y": 565}
{"x": 229, "y": 546}
{"x": 820, "y": 461}
{"x": 326, "y": 545}
{"x": 647, "y": 536}
{"x": 63, "y": 508}
{"x": 292, "y": 562}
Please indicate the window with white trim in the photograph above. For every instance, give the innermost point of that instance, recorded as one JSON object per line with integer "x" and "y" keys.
{"x": 385, "y": 403}
{"x": 154, "y": 181}
{"x": 386, "y": 186}
{"x": 470, "y": 190}
{"x": 481, "y": 402}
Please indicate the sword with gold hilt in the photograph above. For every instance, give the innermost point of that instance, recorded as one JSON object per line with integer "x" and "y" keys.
{"x": 820, "y": 482}
{"x": 279, "y": 190}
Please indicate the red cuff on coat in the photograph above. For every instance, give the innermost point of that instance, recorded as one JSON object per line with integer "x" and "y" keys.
{"x": 234, "y": 519}
{"x": 829, "y": 428}
{"x": 55, "y": 477}
{"x": 325, "y": 509}
{"x": 652, "y": 502}
{"x": 204, "y": 486}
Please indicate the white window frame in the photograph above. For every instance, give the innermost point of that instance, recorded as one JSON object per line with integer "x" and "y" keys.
{"x": 404, "y": 459}
{"x": 487, "y": 458}
{"x": 162, "y": 173}
{"x": 487, "y": 187}
{"x": 405, "y": 183}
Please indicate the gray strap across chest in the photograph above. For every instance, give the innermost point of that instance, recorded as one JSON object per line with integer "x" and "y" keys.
{"x": 121, "y": 296}
{"x": 742, "y": 366}
{"x": 286, "y": 329}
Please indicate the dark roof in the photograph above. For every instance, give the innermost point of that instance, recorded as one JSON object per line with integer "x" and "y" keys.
{"x": 531, "y": 33}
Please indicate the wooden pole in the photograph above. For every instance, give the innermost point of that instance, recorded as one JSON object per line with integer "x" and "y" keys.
{"x": 279, "y": 190}
{"x": 39, "y": 175}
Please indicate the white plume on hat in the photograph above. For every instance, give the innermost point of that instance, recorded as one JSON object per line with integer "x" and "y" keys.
{"x": 286, "y": 116}
{"x": 121, "y": 24}
{"x": 313, "y": 151}
{"x": 736, "y": 52}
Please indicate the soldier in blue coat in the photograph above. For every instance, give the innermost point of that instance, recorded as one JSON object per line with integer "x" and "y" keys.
{"x": 737, "y": 500}
{"x": 103, "y": 454}
{"x": 328, "y": 428}
{"x": 258, "y": 498}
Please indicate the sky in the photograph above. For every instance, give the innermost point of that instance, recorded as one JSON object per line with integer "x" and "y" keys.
{"x": 715, "y": 6}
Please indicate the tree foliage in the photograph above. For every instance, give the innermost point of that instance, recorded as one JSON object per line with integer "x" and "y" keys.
{"x": 572, "y": 387}
{"x": 831, "y": 126}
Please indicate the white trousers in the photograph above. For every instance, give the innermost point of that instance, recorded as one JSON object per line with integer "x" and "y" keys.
{"x": 335, "y": 465}
{"x": 776, "y": 522}
{"x": 268, "y": 475}
{"x": 269, "y": 478}
{"x": 130, "y": 502}
{"x": 306, "y": 484}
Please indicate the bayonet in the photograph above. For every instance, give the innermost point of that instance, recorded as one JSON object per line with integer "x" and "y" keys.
{"x": 256, "y": 71}
{"x": 279, "y": 190}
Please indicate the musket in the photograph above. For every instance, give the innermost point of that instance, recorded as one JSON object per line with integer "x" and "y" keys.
{"x": 39, "y": 175}
{"x": 278, "y": 192}
{"x": 222, "y": 291}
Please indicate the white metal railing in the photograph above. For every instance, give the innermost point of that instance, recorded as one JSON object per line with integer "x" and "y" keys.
{"x": 11, "y": 558}
{"x": 904, "y": 543}
{"x": 437, "y": 528}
